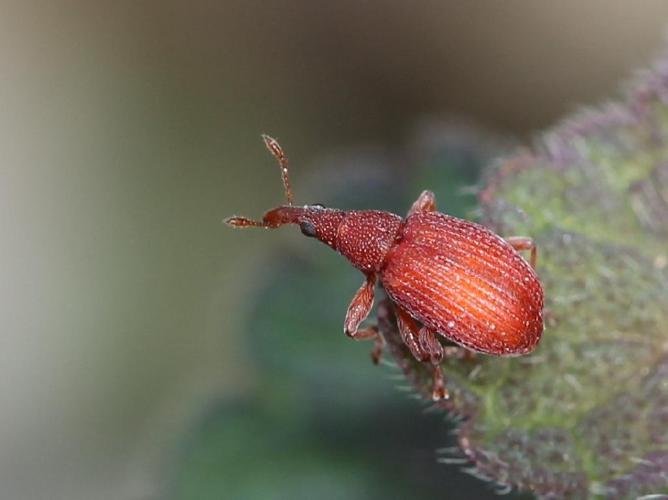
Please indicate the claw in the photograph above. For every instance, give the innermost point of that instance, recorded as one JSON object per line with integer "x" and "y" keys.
{"x": 439, "y": 392}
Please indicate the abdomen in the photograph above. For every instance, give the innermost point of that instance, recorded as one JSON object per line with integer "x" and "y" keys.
{"x": 465, "y": 282}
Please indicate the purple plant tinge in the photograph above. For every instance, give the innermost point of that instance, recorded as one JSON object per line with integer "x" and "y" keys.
{"x": 587, "y": 413}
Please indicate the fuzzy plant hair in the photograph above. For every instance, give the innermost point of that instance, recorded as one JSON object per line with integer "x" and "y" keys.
{"x": 586, "y": 415}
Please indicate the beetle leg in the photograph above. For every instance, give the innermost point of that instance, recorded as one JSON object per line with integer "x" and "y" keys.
{"x": 424, "y": 346}
{"x": 524, "y": 243}
{"x": 409, "y": 334}
{"x": 439, "y": 392}
{"x": 360, "y": 306}
{"x": 430, "y": 344}
{"x": 457, "y": 352}
{"x": 371, "y": 333}
{"x": 358, "y": 310}
{"x": 426, "y": 202}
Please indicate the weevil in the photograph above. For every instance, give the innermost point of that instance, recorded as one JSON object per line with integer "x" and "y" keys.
{"x": 446, "y": 277}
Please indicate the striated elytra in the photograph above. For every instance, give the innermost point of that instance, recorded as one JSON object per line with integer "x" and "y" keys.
{"x": 445, "y": 276}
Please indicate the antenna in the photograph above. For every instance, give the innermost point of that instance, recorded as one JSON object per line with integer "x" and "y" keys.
{"x": 237, "y": 221}
{"x": 280, "y": 215}
{"x": 275, "y": 148}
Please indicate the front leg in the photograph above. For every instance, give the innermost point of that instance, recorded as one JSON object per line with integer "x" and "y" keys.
{"x": 360, "y": 306}
{"x": 358, "y": 310}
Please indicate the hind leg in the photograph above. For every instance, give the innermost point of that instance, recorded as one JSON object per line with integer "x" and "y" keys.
{"x": 520, "y": 243}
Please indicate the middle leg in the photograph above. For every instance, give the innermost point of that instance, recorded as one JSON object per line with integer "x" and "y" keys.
{"x": 430, "y": 344}
{"x": 409, "y": 331}
{"x": 425, "y": 347}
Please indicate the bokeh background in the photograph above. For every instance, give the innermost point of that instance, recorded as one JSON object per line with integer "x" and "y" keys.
{"x": 147, "y": 351}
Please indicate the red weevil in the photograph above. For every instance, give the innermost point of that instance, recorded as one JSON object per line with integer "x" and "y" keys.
{"x": 444, "y": 276}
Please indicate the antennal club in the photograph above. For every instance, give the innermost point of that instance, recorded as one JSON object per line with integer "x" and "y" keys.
{"x": 275, "y": 148}
{"x": 236, "y": 221}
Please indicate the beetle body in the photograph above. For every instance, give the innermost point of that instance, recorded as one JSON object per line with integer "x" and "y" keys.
{"x": 446, "y": 277}
{"x": 466, "y": 283}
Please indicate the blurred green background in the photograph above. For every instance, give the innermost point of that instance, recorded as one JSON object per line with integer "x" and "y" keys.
{"x": 150, "y": 352}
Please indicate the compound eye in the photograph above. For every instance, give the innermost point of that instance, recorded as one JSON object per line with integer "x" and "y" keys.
{"x": 308, "y": 229}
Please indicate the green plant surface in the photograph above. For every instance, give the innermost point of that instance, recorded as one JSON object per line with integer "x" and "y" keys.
{"x": 586, "y": 414}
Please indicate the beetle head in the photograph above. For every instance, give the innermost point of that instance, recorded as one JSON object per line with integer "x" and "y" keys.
{"x": 314, "y": 220}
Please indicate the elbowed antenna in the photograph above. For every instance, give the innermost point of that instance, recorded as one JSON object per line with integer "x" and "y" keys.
{"x": 275, "y": 148}
{"x": 276, "y": 217}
